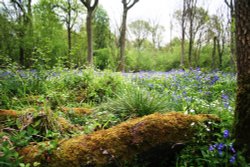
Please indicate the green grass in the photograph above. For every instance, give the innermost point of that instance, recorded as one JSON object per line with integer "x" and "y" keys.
{"x": 114, "y": 97}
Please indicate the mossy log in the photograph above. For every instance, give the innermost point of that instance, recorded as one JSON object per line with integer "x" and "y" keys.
{"x": 4, "y": 114}
{"x": 121, "y": 143}
{"x": 77, "y": 111}
{"x": 31, "y": 117}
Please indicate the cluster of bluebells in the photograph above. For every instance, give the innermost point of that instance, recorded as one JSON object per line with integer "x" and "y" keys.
{"x": 214, "y": 79}
{"x": 225, "y": 99}
{"x": 221, "y": 148}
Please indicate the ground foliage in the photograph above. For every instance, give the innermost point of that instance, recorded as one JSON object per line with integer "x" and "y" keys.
{"x": 67, "y": 103}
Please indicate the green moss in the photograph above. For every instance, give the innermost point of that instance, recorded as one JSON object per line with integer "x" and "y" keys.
{"x": 121, "y": 143}
{"x": 7, "y": 113}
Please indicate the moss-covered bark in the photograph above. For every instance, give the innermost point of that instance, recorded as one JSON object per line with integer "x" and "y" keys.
{"x": 7, "y": 113}
{"x": 120, "y": 144}
{"x": 77, "y": 111}
{"x": 40, "y": 121}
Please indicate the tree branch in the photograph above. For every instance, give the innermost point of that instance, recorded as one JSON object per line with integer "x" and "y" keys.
{"x": 94, "y": 5}
{"x": 19, "y": 5}
{"x": 85, "y": 3}
{"x": 227, "y": 3}
{"x": 134, "y": 2}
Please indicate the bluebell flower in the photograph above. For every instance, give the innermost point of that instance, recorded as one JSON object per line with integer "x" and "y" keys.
{"x": 220, "y": 146}
{"x": 224, "y": 97}
{"x": 226, "y": 105}
{"x": 232, "y": 159}
{"x": 214, "y": 79}
{"x": 220, "y": 152}
{"x": 198, "y": 69}
{"x": 211, "y": 148}
{"x": 232, "y": 148}
{"x": 226, "y": 134}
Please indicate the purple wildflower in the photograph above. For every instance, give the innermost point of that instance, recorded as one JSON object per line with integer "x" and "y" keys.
{"x": 232, "y": 159}
{"x": 220, "y": 146}
{"x": 232, "y": 148}
{"x": 226, "y": 105}
{"x": 220, "y": 152}
{"x": 224, "y": 97}
{"x": 211, "y": 148}
{"x": 226, "y": 134}
{"x": 214, "y": 79}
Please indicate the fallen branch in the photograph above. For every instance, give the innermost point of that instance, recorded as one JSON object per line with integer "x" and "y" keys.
{"x": 121, "y": 143}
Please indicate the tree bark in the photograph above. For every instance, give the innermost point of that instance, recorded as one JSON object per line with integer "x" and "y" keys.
{"x": 69, "y": 29}
{"x": 214, "y": 53}
{"x": 69, "y": 41}
{"x": 220, "y": 47}
{"x": 90, "y": 37}
{"x": 21, "y": 54}
{"x": 122, "y": 41}
{"x": 90, "y": 9}
{"x": 190, "y": 47}
{"x": 242, "y": 112}
{"x": 183, "y": 34}
{"x": 231, "y": 6}
{"x": 191, "y": 8}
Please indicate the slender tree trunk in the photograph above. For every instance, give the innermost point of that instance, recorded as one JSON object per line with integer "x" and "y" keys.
{"x": 220, "y": 47}
{"x": 191, "y": 15}
{"x": 242, "y": 112}
{"x": 21, "y": 35}
{"x": 122, "y": 41}
{"x": 69, "y": 30}
{"x": 90, "y": 37}
{"x": 183, "y": 34}
{"x": 28, "y": 26}
{"x": 69, "y": 41}
{"x": 190, "y": 47}
{"x": 90, "y": 10}
{"x": 21, "y": 55}
{"x": 220, "y": 53}
{"x": 214, "y": 52}
{"x": 69, "y": 46}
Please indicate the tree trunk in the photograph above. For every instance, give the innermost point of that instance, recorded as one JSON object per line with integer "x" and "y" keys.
{"x": 28, "y": 30}
{"x": 191, "y": 9}
{"x": 214, "y": 52}
{"x": 122, "y": 41}
{"x": 69, "y": 41}
{"x": 21, "y": 54}
{"x": 220, "y": 53}
{"x": 90, "y": 38}
{"x": 90, "y": 9}
{"x": 190, "y": 47}
{"x": 232, "y": 35}
{"x": 69, "y": 31}
{"x": 183, "y": 34}
{"x": 242, "y": 112}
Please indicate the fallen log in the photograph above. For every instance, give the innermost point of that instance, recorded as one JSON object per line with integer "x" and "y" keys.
{"x": 4, "y": 114}
{"x": 41, "y": 121}
{"x": 119, "y": 144}
{"x": 76, "y": 111}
